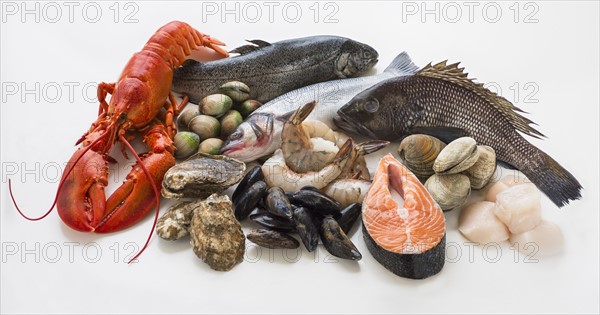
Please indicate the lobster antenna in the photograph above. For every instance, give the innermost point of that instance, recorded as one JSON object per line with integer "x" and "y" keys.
{"x": 139, "y": 162}
{"x": 60, "y": 184}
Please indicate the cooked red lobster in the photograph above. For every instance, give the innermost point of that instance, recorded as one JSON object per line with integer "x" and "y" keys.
{"x": 136, "y": 107}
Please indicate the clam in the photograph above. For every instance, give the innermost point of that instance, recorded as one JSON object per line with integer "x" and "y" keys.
{"x": 449, "y": 191}
{"x": 186, "y": 144}
{"x": 248, "y": 106}
{"x": 236, "y": 90}
{"x": 205, "y": 126}
{"x": 215, "y": 105}
{"x": 202, "y": 175}
{"x": 229, "y": 123}
{"x": 457, "y": 156}
{"x": 184, "y": 118}
{"x": 419, "y": 152}
{"x": 210, "y": 146}
{"x": 482, "y": 171}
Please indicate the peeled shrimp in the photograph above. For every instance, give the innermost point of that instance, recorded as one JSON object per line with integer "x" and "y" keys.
{"x": 347, "y": 191}
{"x": 278, "y": 173}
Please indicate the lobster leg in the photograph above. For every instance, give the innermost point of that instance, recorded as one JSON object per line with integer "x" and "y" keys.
{"x": 172, "y": 110}
{"x": 103, "y": 90}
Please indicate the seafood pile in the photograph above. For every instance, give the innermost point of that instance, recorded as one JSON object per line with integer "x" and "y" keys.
{"x": 307, "y": 212}
{"x": 203, "y": 127}
{"x": 511, "y": 211}
{"x": 314, "y": 180}
{"x": 449, "y": 171}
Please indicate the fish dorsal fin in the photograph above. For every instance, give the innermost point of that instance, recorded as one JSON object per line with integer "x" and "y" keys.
{"x": 258, "y": 44}
{"x": 452, "y": 73}
{"x": 402, "y": 65}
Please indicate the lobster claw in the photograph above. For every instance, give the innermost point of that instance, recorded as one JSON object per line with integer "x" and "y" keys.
{"x": 82, "y": 204}
{"x": 81, "y": 200}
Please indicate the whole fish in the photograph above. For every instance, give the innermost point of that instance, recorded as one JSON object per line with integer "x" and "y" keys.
{"x": 441, "y": 101}
{"x": 270, "y": 70}
{"x": 260, "y": 134}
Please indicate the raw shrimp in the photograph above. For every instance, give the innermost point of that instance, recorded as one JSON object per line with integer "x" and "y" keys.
{"x": 301, "y": 153}
{"x": 347, "y": 191}
{"x": 357, "y": 166}
{"x": 279, "y": 174}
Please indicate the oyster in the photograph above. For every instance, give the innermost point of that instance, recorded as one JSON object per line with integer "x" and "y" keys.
{"x": 457, "y": 156}
{"x": 418, "y": 152}
{"x": 216, "y": 236}
{"x": 449, "y": 191}
{"x": 482, "y": 171}
{"x": 174, "y": 224}
{"x": 202, "y": 175}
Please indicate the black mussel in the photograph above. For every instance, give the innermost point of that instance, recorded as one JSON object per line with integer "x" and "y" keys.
{"x": 313, "y": 188}
{"x": 272, "y": 239}
{"x": 306, "y": 228}
{"x": 348, "y": 216}
{"x": 316, "y": 202}
{"x": 248, "y": 200}
{"x": 277, "y": 203}
{"x": 253, "y": 176}
{"x": 336, "y": 242}
{"x": 273, "y": 222}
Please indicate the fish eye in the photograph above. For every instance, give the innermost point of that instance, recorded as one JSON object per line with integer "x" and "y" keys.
{"x": 371, "y": 106}
{"x": 366, "y": 54}
{"x": 236, "y": 135}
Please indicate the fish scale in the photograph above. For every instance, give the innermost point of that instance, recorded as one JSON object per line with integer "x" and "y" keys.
{"x": 441, "y": 101}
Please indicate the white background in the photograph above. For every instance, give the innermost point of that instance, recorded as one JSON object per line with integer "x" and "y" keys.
{"x": 557, "y": 54}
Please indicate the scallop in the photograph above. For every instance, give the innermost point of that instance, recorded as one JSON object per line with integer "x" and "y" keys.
{"x": 503, "y": 184}
{"x": 519, "y": 207}
{"x": 418, "y": 153}
{"x": 457, "y": 156}
{"x": 479, "y": 224}
{"x": 482, "y": 171}
{"x": 544, "y": 240}
{"x": 449, "y": 191}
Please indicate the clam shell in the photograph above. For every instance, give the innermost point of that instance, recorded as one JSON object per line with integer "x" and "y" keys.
{"x": 482, "y": 171}
{"x": 419, "y": 152}
{"x": 457, "y": 156}
{"x": 202, "y": 175}
{"x": 449, "y": 191}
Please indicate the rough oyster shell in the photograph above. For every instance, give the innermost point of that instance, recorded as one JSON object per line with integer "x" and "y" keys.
{"x": 202, "y": 175}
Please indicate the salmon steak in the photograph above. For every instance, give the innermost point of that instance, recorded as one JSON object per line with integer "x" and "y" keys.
{"x": 403, "y": 227}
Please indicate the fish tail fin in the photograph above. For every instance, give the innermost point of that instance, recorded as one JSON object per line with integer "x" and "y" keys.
{"x": 555, "y": 181}
{"x": 402, "y": 65}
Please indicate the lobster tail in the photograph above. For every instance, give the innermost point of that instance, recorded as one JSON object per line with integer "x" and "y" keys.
{"x": 176, "y": 40}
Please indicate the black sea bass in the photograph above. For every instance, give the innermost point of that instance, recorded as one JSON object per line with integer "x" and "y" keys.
{"x": 271, "y": 70}
{"x": 441, "y": 101}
